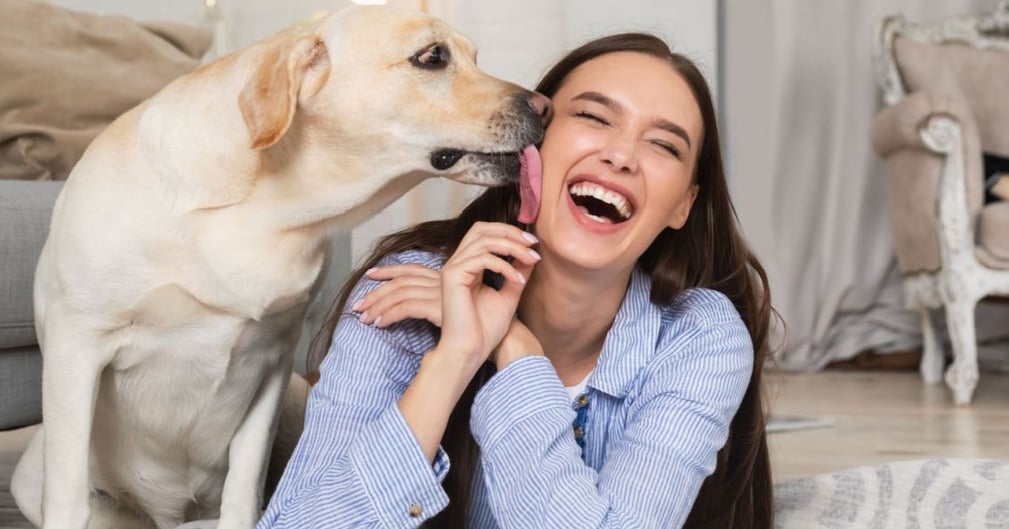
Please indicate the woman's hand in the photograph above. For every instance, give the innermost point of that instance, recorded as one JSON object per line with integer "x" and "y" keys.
{"x": 519, "y": 341}
{"x": 410, "y": 291}
{"x": 475, "y": 317}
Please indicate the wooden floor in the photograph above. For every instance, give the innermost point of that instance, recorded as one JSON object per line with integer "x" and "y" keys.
{"x": 883, "y": 416}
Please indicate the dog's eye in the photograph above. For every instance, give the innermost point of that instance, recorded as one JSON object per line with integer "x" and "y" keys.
{"x": 433, "y": 57}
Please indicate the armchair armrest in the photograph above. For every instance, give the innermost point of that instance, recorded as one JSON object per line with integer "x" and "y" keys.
{"x": 899, "y": 126}
{"x": 917, "y": 169}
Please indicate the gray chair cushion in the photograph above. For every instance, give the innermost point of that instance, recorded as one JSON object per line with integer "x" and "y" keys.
{"x": 25, "y": 209}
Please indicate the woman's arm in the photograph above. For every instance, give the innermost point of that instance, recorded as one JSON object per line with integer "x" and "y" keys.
{"x": 358, "y": 462}
{"x": 375, "y": 420}
{"x": 679, "y": 419}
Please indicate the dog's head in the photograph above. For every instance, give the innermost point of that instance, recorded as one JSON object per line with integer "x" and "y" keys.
{"x": 395, "y": 87}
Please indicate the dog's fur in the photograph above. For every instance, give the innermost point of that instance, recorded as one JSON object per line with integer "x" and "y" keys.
{"x": 170, "y": 291}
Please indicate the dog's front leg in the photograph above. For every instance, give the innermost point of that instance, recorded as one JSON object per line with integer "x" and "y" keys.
{"x": 250, "y": 448}
{"x": 72, "y": 365}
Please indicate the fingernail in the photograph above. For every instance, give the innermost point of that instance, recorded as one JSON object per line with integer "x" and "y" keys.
{"x": 377, "y": 321}
{"x": 534, "y": 253}
{"x": 521, "y": 278}
{"x": 369, "y": 271}
{"x": 362, "y": 317}
{"x": 530, "y": 237}
{"x": 357, "y": 306}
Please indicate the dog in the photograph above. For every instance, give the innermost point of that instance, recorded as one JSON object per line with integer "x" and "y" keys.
{"x": 171, "y": 288}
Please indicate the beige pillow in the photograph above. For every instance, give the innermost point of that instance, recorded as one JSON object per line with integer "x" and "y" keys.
{"x": 65, "y": 75}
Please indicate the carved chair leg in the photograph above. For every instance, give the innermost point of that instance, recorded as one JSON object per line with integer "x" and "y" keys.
{"x": 932, "y": 356}
{"x": 962, "y": 376}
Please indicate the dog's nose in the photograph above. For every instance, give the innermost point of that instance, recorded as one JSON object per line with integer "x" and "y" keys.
{"x": 540, "y": 104}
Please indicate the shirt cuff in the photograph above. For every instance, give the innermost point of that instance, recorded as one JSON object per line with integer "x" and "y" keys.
{"x": 404, "y": 487}
{"x": 526, "y": 387}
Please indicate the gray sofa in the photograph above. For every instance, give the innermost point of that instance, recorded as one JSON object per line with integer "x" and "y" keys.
{"x": 25, "y": 208}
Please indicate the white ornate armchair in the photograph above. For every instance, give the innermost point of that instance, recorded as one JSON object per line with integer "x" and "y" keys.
{"x": 946, "y": 87}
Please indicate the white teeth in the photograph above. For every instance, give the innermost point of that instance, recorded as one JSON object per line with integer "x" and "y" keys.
{"x": 589, "y": 189}
{"x": 601, "y": 220}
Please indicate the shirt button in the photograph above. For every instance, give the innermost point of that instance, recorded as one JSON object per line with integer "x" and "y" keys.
{"x": 583, "y": 401}
{"x": 579, "y": 432}
{"x": 416, "y": 510}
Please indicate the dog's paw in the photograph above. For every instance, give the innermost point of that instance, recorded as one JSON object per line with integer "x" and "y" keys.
{"x": 199, "y": 524}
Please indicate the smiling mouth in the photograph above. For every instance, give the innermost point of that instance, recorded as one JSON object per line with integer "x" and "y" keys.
{"x": 601, "y": 204}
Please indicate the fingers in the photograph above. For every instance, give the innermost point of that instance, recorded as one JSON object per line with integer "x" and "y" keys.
{"x": 499, "y": 239}
{"x": 481, "y": 232}
{"x": 469, "y": 269}
{"x": 381, "y": 273}
{"x": 404, "y": 302}
{"x": 514, "y": 288}
{"x": 409, "y": 291}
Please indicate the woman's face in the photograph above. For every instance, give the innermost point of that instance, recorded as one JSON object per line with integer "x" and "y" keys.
{"x": 618, "y": 160}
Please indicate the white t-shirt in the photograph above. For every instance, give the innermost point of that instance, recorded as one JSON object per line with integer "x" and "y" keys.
{"x": 579, "y": 388}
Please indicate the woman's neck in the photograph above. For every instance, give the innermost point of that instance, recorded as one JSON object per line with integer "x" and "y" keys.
{"x": 570, "y": 313}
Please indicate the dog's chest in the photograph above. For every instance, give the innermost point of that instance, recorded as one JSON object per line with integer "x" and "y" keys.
{"x": 196, "y": 366}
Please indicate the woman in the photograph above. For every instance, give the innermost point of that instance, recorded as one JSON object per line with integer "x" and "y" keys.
{"x": 642, "y": 301}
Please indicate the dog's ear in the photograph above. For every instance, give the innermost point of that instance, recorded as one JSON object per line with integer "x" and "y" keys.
{"x": 294, "y": 69}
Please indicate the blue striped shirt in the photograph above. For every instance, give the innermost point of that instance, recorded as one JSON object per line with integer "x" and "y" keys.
{"x": 659, "y": 404}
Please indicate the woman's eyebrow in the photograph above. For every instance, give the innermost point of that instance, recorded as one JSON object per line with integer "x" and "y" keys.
{"x": 614, "y": 106}
{"x": 669, "y": 126}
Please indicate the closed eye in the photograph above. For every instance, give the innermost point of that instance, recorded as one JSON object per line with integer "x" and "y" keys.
{"x": 591, "y": 117}
{"x": 671, "y": 149}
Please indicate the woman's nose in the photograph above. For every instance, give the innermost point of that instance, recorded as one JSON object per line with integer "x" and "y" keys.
{"x": 620, "y": 153}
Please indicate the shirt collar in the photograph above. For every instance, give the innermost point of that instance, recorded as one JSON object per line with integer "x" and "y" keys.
{"x": 631, "y": 340}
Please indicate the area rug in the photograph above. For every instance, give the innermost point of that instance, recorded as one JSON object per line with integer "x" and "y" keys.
{"x": 923, "y": 494}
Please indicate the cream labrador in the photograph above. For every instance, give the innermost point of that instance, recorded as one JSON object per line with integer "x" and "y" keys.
{"x": 170, "y": 291}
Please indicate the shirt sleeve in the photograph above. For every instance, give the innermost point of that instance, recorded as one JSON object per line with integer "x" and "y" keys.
{"x": 674, "y": 428}
{"x": 357, "y": 463}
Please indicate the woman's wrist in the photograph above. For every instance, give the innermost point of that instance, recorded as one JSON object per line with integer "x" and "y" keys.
{"x": 454, "y": 368}
{"x": 517, "y": 343}
{"x": 432, "y": 395}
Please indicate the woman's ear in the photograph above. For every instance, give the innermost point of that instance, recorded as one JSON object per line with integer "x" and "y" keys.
{"x": 293, "y": 69}
{"x": 681, "y": 211}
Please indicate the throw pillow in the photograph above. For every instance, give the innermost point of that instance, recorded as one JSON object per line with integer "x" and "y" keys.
{"x": 66, "y": 75}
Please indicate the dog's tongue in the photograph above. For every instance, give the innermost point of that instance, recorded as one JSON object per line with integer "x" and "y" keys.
{"x": 530, "y": 184}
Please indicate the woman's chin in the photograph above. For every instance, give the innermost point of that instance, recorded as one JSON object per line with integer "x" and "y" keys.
{"x": 588, "y": 255}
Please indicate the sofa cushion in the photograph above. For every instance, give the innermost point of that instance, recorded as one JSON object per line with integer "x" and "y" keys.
{"x": 25, "y": 210}
{"x": 993, "y": 236}
{"x": 20, "y": 387}
{"x": 66, "y": 75}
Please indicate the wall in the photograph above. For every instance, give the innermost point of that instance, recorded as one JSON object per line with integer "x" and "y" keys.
{"x": 746, "y": 116}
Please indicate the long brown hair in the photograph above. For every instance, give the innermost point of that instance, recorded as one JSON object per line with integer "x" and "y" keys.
{"x": 708, "y": 251}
